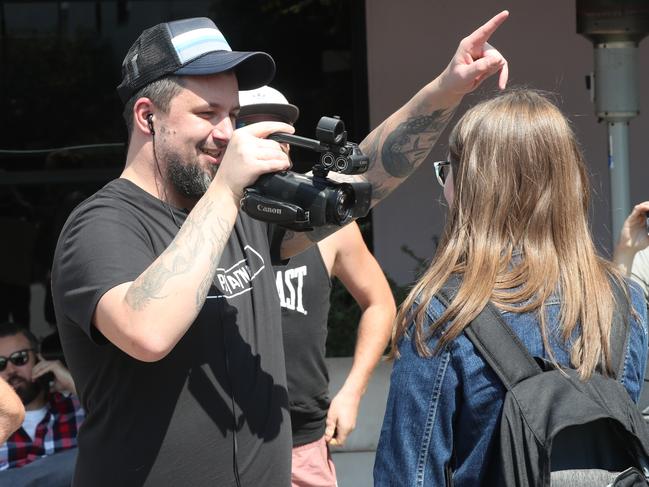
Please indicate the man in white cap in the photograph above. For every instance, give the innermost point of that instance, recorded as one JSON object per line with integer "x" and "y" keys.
{"x": 164, "y": 292}
{"x": 304, "y": 287}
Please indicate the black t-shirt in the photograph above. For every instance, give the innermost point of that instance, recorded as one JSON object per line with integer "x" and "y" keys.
{"x": 304, "y": 288}
{"x": 170, "y": 423}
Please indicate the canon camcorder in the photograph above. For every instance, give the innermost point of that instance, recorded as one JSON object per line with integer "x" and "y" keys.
{"x": 299, "y": 202}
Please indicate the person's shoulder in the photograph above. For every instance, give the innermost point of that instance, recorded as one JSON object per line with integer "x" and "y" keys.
{"x": 434, "y": 308}
{"x": 643, "y": 254}
{"x": 636, "y": 293}
{"x": 638, "y": 303}
{"x": 116, "y": 202}
{"x": 116, "y": 194}
{"x": 640, "y": 265}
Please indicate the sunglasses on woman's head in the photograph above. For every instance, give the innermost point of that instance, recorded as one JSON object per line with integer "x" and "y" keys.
{"x": 441, "y": 171}
{"x": 19, "y": 358}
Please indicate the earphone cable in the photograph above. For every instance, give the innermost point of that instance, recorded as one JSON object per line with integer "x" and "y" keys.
{"x": 165, "y": 200}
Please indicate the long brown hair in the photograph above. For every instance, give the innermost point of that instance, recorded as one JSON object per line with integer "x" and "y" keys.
{"x": 521, "y": 187}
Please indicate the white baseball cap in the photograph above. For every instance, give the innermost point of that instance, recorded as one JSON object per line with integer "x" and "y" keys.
{"x": 267, "y": 100}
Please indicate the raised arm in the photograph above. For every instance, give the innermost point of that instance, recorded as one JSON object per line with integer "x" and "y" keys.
{"x": 633, "y": 238}
{"x": 361, "y": 274}
{"x": 403, "y": 141}
{"x": 147, "y": 317}
{"x": 12, "y": 411}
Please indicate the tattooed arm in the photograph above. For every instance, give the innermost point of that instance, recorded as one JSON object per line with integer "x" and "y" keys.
{"x": 403, "y": 141}
{"x": 147, "y": 317}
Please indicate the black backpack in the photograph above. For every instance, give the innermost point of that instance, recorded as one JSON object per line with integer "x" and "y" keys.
{"x": 555, "y": 429}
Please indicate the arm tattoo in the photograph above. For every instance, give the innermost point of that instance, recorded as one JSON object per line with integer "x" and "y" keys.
{"x": 409, "y": 144}
{"x": 179, "y": 258}
{"x": 379, "y": 191}
{"x": 149, "y": 285}
{"x": 220, "y": 238}
{"x": 372, "y": 148}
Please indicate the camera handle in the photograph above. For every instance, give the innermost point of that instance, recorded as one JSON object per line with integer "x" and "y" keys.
{"x": 330, "y": 152}
{"x": 299, "y": 141}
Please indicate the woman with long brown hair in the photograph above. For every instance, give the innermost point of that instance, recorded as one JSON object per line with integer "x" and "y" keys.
{"x": 517, "y": 235}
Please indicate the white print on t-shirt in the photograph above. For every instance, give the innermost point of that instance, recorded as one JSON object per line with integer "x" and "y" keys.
{"x": 292, "y": 298}
{"x": 237, "y": 279}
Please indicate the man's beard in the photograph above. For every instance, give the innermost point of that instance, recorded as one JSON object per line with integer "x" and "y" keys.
{"x": 26, "y": 391}
{"x": 189, "y": 179}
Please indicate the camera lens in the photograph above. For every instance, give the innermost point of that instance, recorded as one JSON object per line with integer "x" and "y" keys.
{"x": 342, "y": 206}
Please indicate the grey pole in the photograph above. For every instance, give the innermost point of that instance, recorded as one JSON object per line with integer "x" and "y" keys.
{"x": 617, "y": 102}
{"x": 615, "y": 27}
{"x": 618, "y": 163}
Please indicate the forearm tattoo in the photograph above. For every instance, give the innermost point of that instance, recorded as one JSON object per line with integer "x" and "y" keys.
{"x": 394, "y": 158}
{"x": 180, "y": 258}
{"x": 219, "y": 239}
{"x": 409, "y": 144}
{"x": 379, "y": 191}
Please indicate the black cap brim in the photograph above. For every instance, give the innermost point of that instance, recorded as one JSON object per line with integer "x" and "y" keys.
{"x": 253, "y": 69}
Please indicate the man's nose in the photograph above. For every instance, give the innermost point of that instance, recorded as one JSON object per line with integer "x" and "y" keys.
{"x": 223, "y": 130}
{"x": 9, "y": 370}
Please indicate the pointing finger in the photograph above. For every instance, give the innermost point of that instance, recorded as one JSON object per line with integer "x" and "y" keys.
{"x": 482, "y": 34}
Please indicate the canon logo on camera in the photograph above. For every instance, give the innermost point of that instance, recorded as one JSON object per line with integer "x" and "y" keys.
{"x": 266, "y": 209}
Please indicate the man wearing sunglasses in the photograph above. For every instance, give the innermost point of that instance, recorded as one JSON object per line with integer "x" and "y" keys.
{"x": 52, "y": 412}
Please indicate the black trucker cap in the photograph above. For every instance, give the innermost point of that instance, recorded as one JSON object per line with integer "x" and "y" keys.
{"x": 189, "y": 47}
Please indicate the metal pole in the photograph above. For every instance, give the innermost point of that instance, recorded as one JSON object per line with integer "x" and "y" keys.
{"x": 618, "y": 163}
{"x": 617, "y": 102}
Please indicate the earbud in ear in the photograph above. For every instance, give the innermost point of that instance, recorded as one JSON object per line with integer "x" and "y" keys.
{"x": 149, "y": 121}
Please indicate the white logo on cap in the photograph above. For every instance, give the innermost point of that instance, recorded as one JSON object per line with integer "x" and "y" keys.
{"x": 192, "y": 44}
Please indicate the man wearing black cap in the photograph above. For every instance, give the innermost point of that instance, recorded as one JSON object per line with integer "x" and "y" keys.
{"x": 164, "y": 292}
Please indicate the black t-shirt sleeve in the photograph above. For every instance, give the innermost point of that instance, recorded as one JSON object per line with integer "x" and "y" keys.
{"x": 102, "y": 245}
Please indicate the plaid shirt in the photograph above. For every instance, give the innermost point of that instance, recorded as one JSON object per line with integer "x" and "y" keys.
{"x": 57, "y": 431}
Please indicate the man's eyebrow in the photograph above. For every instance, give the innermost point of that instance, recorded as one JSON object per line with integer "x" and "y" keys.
{"x": 219, "y": 106}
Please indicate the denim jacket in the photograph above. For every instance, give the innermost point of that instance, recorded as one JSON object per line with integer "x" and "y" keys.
{"x": 449, "y": 405}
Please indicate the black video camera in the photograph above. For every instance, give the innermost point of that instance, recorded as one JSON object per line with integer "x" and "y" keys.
{"x": 301, "y": 203}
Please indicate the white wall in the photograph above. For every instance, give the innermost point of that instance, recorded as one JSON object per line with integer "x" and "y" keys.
{"x": 409, "y": 42}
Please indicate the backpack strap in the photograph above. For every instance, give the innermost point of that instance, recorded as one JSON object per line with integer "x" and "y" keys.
{"x": 497, "y": 343}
